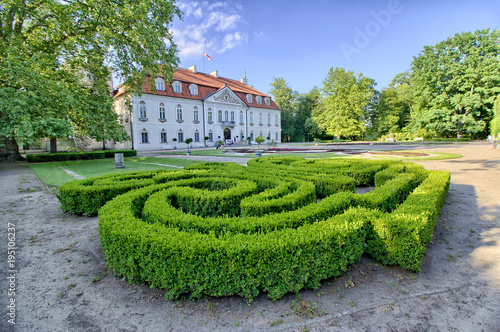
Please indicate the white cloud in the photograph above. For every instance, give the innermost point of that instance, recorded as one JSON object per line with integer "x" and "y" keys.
{"x": 211, "y": 27}
{"x": 232, "y": 40}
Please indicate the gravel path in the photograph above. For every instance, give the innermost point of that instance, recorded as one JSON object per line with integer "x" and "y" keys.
{"x": 61, "y": 282}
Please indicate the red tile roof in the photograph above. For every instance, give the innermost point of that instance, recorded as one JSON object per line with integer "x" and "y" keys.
{"x": 207, "y": 84}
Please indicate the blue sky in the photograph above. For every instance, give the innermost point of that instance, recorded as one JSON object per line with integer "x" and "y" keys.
{"x": 301, "y": 40}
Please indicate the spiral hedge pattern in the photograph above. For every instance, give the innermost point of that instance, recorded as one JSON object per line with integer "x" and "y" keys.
{"x": 279, "y": 225}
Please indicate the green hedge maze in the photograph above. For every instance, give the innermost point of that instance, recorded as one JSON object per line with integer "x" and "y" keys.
{"x": 279, "y": 225}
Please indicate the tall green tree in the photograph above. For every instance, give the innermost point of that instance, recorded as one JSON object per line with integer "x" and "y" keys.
{"x": 305, "y": 103}
{"x": 495, "y": 122}
{"x": 345, "y": 103}
{"x": 455, "y": 83}
{"x": 285, "y": 98}
{"x": 54, "y": 60}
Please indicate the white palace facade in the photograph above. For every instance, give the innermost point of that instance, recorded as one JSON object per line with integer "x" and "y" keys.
{"x": 195, "y": 105}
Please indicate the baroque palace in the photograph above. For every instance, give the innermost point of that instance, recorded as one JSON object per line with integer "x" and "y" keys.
{"x": 204, "y": 107}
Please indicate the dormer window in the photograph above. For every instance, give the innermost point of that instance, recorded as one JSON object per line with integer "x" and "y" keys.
{"x": 177, "y": 86}
{"x": 267, "y": 100}
{"x": 249, "y": 98}
{"x": 160, "y": 84}
{"x": 258, "y": 99}
{"x": 193, "y": 89}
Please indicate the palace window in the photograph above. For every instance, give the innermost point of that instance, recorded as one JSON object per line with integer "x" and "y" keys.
{"x": 267, "y": 100}
{"x": 180, "y": 136}
{"x": 163, "y": 137}
{"x": 177, "y": 86}
{"x": 241, "y": 117}
{"x": 161, "y": 112}
{"x": 193, "y": 89}
{"x": 251, "y": 118}
{"x": 232, "y": 116}
{"x": 249, "y": 98}
{"x": 195, "y": 114}
{"x": 226, "y": 116}
{"x": 210, "y": 137}
{"x": 160, "y": 84}
{"x": 142, "y": 110}
{"x": 144, "y": 137}
{"x": 196, "y": 136}
{"x": 258, "y": 99}
{"x": 260, "y": 119}
{"x": 210, "y": 115}
{"x": 269, "y": 119}
{"x": 219, "y": 116}
{"x": 179, "y": 113}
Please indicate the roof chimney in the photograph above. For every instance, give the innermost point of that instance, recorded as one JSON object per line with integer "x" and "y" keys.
{"x": 193, "y": 68}
{"x": 215, "y": 73}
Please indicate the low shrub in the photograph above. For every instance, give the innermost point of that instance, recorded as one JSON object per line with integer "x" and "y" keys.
{"x": 86, "y": 155}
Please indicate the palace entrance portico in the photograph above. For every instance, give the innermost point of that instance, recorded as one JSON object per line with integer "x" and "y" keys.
{"x": 227, "y": 133}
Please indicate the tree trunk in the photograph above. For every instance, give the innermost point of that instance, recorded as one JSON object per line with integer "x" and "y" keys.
{"x": 9, "y": 150}
{"x": 104, "y": 144}
{"x": 53, "y": 145}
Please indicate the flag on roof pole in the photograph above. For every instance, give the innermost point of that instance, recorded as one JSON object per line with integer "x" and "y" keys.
{"x": 208, "y": 56}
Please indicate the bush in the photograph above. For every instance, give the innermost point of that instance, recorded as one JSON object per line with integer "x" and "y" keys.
{"x": 276, "y": 226}
{"x": 65, "y": 156}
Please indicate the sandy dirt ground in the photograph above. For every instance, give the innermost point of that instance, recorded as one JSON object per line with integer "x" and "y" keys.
{"x": 59, "y": 281}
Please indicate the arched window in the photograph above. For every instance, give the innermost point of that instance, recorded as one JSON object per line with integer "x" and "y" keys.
{"x": 258, "y": 99}
{"x": 160, "y": 84}
{"x": 177, "y": 86}
{"x": 276, "y": 119}
{"x": 195, "y": 114}
{"x": 210, "y": 116}
{"x": 260, "y": 119}
{"x": 232, "y": 116}
{"x": 267, "y": 100}
{"x": 251, "y": 118}
{"x": 193, "y": 89}
{"x": 142, "y": 110}
{"x": 219, "y": 116}
{"x": 269, "y": 118}
{"x": 161, "y": 112}
{"x": 226, "y": 116}
{"x": 179, "y": 113}
{"x": 249, "y": 98}
{"x": 241, "y": 117}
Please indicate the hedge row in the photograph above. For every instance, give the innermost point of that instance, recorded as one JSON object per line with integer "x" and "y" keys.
{"x": 64, "y": 156}
{"x": 220, "y": 230}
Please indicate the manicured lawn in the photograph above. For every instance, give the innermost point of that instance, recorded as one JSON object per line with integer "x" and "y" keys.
{"x": 54, "y": 174}
{"x": 435, "y": 156}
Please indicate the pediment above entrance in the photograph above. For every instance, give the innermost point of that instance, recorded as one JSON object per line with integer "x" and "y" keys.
{"x": 225, "y": 96}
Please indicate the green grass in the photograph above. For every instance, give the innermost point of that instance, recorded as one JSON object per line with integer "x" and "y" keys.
{"x": 437, "y": 156}
{"x": 163, "y": 161}
{"x": 53, "y": 173}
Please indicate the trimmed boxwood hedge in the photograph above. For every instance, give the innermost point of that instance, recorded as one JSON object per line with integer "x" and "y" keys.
{"x": 86, "y": 155}
{"x": 276, "y": 226}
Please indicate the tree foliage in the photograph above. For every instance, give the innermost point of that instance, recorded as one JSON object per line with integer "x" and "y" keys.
{"x": 55, "y": 58}
{"x": 455, "y": 83}
{"x": 346, "y": 98}
{"x": 285, "y": 98}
